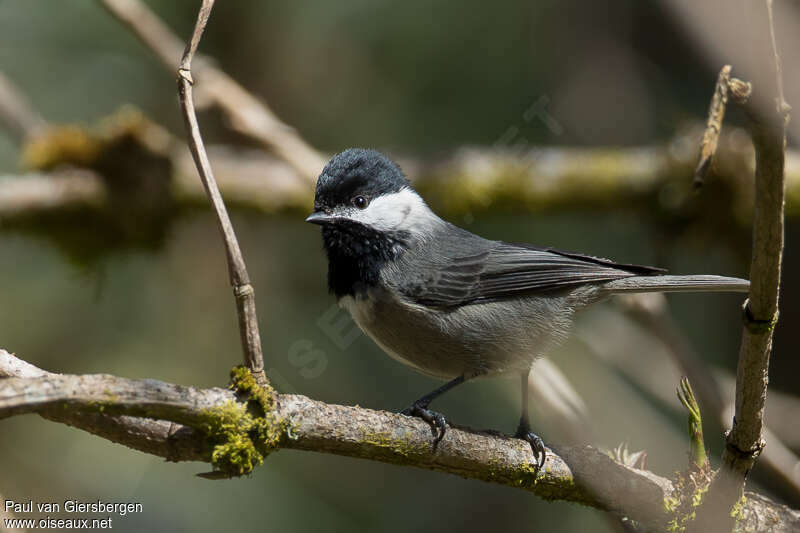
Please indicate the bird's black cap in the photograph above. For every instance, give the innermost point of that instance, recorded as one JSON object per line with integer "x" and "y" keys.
{"x": 357, "y": 171}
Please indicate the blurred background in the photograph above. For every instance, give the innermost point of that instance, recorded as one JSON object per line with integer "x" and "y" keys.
{"x": 148, "y": 297}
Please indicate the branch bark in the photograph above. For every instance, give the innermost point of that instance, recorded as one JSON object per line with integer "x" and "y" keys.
{"x": 744, "y": 442}
{"x": 540, "y": 178}
{"x": 167, "y": 420}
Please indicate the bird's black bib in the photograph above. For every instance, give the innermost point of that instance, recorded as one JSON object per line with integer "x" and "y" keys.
{"x": 356, "y": 255}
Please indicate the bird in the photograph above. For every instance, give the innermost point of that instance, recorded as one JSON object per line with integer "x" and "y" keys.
{"x": 449, "y": 303}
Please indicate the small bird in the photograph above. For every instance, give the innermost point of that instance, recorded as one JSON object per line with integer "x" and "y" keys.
{"x": 449, "y": 303}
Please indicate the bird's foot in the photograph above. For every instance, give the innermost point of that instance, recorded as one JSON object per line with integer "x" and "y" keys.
{"x": 436, "y": 420}
{"x": 536, "y": 442}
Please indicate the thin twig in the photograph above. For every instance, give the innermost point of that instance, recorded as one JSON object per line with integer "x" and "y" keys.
{"x": 782, "y": 107}
{"x": 761, "y": 309}
{"x": 716, "y": 112}
{"x": 726, "y": 87}
{"x": 745, "y": 441}
{"x": 240, "y": 280}
{"x": 246, "y": 113}
{"x": 17, "y": 115}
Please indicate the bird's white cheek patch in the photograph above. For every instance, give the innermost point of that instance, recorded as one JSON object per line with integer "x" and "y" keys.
{"x": 399, "y": 211}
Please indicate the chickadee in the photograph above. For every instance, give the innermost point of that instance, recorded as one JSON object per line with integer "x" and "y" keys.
{"x": 449, "y": 303}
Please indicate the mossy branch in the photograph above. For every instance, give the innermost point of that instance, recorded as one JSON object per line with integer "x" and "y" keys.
{"x": 225, "y": 427}
{"x": 465, "y": 182}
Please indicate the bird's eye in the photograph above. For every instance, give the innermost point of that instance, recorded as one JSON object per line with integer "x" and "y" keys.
{"x": 360, "y": 202}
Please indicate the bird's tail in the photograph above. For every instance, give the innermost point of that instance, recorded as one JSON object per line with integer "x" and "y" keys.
{"x": 699, "y": 283}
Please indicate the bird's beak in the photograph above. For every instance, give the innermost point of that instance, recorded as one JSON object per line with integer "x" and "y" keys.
{"x": 320, "y": 217}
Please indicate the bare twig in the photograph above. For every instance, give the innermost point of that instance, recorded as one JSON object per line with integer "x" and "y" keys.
{"x": 16, "y": 113}
{"x": 246, "y": 113}
{"x": 744, "y": 442}
{"x": 716, "y": 112}
{"x": 782, "y": 107}
{"x": 578, "y": 474}
{"x": 553, "y": 398}
{"x": 650, "y": 311}
{"x": 726, "y": 86}
{"x": 240, "y": 280}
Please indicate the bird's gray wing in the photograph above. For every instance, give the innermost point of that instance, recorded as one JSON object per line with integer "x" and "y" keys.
{"x": 472, "y": 270}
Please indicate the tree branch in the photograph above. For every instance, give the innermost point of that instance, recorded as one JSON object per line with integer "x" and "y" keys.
{"x": 761, "y": 309}
{"x": 539, "y": 178}
{"x": 16, "y": 113}
{"x": 744, "y": 442}
{"x": 246, "y": 113}
{"x": 22, "y": 196}
{"x": 577, "y": 474}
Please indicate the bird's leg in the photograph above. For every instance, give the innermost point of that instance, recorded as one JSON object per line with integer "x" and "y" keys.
{"x": 436, "y": 420}
{"x": 524, "y": 429}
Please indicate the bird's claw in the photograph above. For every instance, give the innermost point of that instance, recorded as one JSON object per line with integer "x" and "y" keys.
{"x": 436, "y": 420}
{"x": 537, "y": 446}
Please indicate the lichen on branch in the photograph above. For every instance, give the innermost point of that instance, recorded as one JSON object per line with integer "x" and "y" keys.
{"x": 246, "y": 431}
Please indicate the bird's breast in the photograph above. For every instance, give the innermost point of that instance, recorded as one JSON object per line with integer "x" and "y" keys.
{"x": 372, "y": 316}
{"x": 470, "y": 340}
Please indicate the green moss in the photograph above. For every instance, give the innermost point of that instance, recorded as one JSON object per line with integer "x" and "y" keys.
{"x": 112, "y": 398}
{"x": 59, "y": 145}
{"x": 551, "y": 488}
{"x": 81, "y": 145}
{"x": 98, "y": 406}
{"x": 525, "y": 476}
{"x": 690, "y": 490}
{"x": 398, "y": 445}
{"x": 737, "y": 511}
{"x": 229, "y": 426}
{"x": 245, "y": 432}
{"x": 243, "y": 382}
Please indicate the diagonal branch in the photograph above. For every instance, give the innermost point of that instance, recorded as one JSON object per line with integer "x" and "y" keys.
{"x": 242, "y": 289}
{"x": 16, "y": 114}
{"x": 246, "y": 113}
